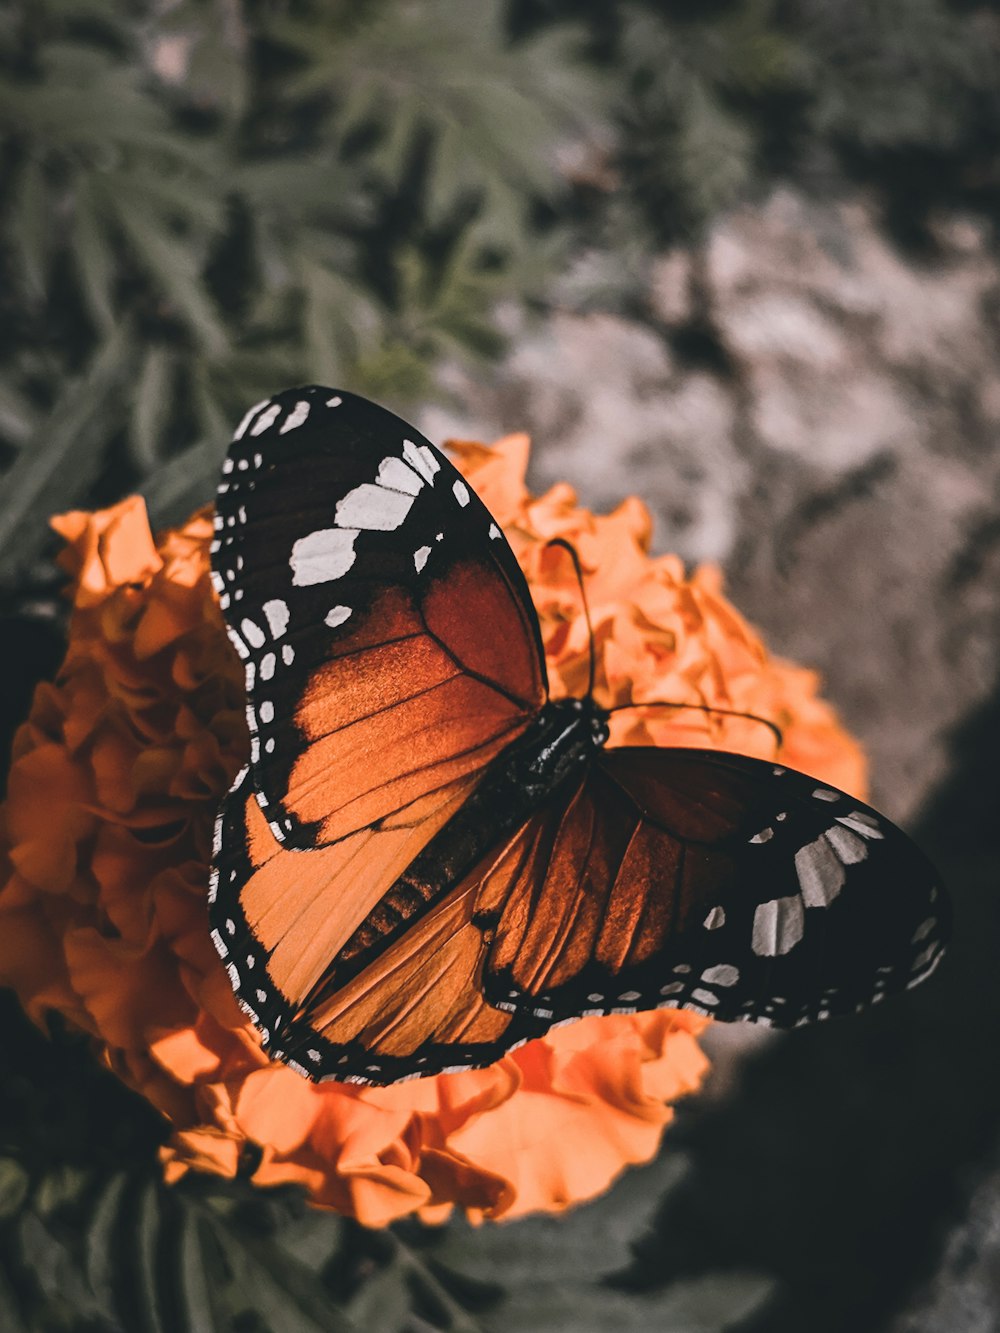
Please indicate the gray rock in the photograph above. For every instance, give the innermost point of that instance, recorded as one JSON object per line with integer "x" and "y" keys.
{"x": 844, "y": 469}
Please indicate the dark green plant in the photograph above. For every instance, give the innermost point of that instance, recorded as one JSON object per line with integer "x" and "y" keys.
{"x": 209, "y": 200}
{"x": 122, "y": 1252}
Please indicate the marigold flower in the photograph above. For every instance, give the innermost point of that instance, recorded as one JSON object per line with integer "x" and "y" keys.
{"x": 106, "y": 837}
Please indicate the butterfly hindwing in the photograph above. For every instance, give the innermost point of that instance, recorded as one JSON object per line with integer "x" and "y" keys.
{"x": 280, "y": 918}
{"x": 710, "y": 881}
{"x": 386, "y": 631}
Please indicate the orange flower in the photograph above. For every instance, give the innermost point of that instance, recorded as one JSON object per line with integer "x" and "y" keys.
{"x": 106, "y": 836}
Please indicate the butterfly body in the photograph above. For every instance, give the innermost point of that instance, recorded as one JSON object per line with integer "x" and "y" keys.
{"x": 427, "y": 860}
{"x": 515, "y": 786}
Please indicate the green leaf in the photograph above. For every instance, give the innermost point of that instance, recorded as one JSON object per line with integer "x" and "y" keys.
{"x": 494, "y": 113}
{"x": 150, "y": 1241}
{"x": 95, "y": 259}
{"x": 10, "y": 1311}
{"x": 151, "y": 406}
{"x": 63, "y": 449}
{"x": 383, "y": 1302}
{"x": 14, "y": 1182}
{"x": 201, "y": 50}
{"x": 284, "y": 1290}
{"x": 185, "y": 482}
{"x": 175, "y": 269}
{"x": 554, "y": 1268}
{"x": 100, "y": 1246}
{"x": 200, "y": 1293}
{"x": 17, "y": 416}
{"x": 30, "y": 230}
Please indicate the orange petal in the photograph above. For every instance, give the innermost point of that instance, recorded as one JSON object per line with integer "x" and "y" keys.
{"x": 108, "y": 548}
{"x": 278, "y": 1107}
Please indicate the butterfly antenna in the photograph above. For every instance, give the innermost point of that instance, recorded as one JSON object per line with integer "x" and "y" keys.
{"x": 560, "y": 541}
{"x": 708, "y": 708}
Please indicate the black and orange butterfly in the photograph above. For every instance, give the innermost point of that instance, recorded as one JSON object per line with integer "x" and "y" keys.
{"x": 427, "y": 860}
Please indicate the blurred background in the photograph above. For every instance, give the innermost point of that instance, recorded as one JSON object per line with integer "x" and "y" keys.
{"x": 737, "y": 256}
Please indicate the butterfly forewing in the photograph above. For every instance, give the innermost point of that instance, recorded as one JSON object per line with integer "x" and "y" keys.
{"x": 708, "y": 881}
{"x": 386, "y": 630}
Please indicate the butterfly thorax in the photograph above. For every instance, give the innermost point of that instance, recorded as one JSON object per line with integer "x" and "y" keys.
{"x": 553, "y": 750}
{"x": 562, "y": 737}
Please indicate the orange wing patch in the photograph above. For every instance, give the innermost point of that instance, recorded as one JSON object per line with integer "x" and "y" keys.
{"x": 389, "y": 718}
{"x": 303, "y": 907}
{"x": 424, "y": 989}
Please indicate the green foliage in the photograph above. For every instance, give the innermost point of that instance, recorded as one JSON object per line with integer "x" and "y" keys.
{"x": 211, "y": 202}
{"x": 715, "y": 101}
{"x": 556, "y": 1270}
{"x": 123, "y": 1253}
{"x": 688, "y": 141}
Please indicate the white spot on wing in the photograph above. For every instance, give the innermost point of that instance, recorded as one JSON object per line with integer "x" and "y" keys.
{"x": 296, "y": 417}
{"x": 777, "y": 926}
{"x": 715, "y": 918}
{"x": 325, "y": 554}
{"x": 861, "y": 823}
{"x": 704, "y": 996}
{"x": 765, "y": 835}
{"x": 241, "y": 429}
{"x": 253, "y": 634}
{"x": 267, "y": 665}
{"x": 494, "y": 531}
{"x": 824, "y": 794}
{"x": 461, "y": 493}
{"x": 336, "y": 616}
{"x": 421, "y": 458}
{"x": 287, "y": 654}
{"x": 276, "y": 614}
{"x": 922, "y": 959}
{"x": 849, "y": 847}
{"x": 420, "y": 557}
{"x": 265, "y": 419}
{"x": 821, "y": 873}
{"x": 722, "y": 974}
{"x": 266, "y": 711}
{"x": 373, "y": 508}
{"x": 923, "y": 930}
{"x": 335, "y": 401}
{"x": 394, "y": 474}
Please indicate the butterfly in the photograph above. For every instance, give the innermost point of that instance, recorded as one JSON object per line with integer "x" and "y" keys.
{"x": 427, "y": 860}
